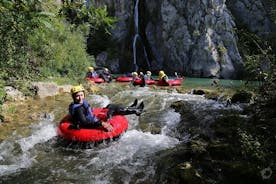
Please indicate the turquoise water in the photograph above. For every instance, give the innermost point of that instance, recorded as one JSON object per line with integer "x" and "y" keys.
{"x": 208, "y": 83}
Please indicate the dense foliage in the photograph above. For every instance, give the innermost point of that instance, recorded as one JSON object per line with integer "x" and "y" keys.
{"x": 260, "y": 62}
{"x": 41, "y": 39}
{"x": 18, "y": 19}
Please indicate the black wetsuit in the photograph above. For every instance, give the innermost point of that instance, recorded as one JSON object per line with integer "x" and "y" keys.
{"x": 117, "y": 109}
{"x": 81, "y": 115}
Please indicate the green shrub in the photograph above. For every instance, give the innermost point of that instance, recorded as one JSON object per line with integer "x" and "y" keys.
{"x": 37, "y": 40}
{"x": 2, "y": 92}
{"x": 60, "y": 51}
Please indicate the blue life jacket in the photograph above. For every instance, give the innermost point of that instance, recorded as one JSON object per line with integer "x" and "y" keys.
{"x": 88, "y": 110}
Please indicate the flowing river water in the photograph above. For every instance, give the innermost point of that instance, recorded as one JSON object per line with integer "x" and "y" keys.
{"x": 37, "y": 156}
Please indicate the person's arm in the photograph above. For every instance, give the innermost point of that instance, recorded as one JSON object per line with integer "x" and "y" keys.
{"x": 165, "y": 79}
{"x": 80, "y": 113}
{"x": 110, "y": 113}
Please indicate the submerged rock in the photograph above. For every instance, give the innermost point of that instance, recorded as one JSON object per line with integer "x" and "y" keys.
{"x": 241, "y": 97}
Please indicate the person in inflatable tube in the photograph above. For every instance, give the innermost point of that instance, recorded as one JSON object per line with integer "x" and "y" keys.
{"x": 81, "y": 113}
{"x": 105, "y": 75}
{"x": 135, "y": 76}
{"x": 148, "y": 76}
{"x": 142, "y": 77}
{"x": 91, "y": 73}
{"x": 163, "y": 77}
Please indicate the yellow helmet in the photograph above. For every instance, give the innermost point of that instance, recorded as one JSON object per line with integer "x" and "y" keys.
{"x": 161, "y": 72}
{"x": 106, "y": 69}
{"x": 76, "y": 89}
{"x": 148, "y": 73}
{"x": 141, "y": 73}
{"x": 134, "y": 73}
{"x": 90, "y": 68}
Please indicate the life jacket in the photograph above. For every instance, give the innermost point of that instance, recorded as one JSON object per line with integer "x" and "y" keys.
{"x": 147, "y": 77}
{"x": 163, "y": 77}
{"x": 88, "y": 111}
{"x": 91, "y": 74}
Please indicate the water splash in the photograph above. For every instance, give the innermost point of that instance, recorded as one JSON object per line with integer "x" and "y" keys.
{"x": 130, "y": 155}
{"x": 15, "y": 154}
{"x": 171, "y": 120}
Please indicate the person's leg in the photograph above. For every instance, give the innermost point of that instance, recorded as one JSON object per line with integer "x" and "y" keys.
{"x": 133, "y": 110}
{"x": 134, "y": 103}
{"x": 114, "y": 109}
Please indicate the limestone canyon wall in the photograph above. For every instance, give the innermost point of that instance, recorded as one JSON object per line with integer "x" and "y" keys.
{"x": 194, "y": 37}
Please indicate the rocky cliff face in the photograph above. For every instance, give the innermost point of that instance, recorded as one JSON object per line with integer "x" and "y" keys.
{"x": 193, "y": 37}
{"x": 256, "y": 14}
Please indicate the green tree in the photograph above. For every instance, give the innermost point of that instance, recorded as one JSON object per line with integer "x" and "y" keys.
{"x": 96, "y": 18}
{"x": 18, "y": 19}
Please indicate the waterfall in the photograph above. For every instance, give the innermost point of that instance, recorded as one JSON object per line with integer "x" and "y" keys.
{"x": 136, "y": 17}
{"x": 137, "y": 38}
{"x": 134, "y": 52}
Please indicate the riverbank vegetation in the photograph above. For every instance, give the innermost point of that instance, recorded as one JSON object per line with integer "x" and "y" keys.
{"x": 42, "y": 39}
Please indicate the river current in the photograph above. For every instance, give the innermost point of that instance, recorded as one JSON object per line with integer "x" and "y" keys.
{"x": 38, "y": 158}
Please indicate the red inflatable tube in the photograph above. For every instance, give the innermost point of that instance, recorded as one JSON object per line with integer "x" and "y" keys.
{"x": 174, "y": 82}
{"x": 119, "y": 123}
{"x": 148, "y": 82}
{"x": 124, "y": 79}
{"x": 96, "y": 80}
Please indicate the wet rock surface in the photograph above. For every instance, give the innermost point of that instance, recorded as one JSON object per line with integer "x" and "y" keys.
{"x": 233, "y": 150}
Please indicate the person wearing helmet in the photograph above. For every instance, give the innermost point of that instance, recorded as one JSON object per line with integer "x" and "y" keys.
{"x": 163, "y": 77}
{"x": 178, "y": 75}
{"x": 135, "y": 76}
{"x": 105, "y": 75}
{"x": 91, "y": 73}
{"x": 81, "y": 114}
{"x": 148, "y": 76}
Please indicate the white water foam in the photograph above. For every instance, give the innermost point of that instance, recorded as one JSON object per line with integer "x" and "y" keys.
{"x": 15, "y": 154}
{"x": 131, "y": 153}
{"x": 171, "y": 120}
{"x": 42, "y": 132}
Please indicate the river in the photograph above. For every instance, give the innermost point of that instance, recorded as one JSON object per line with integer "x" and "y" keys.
{"x": 38, "y": 157}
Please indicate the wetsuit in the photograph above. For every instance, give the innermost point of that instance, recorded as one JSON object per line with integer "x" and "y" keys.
{"x": 82, "y": 115}
{"x": 105, "y": 76}
{"x": 116, "y": 109}
{"x": 91, "y": 74}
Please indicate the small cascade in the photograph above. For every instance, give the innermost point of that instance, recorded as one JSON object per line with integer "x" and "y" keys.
{"x": 137, "y": 38}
